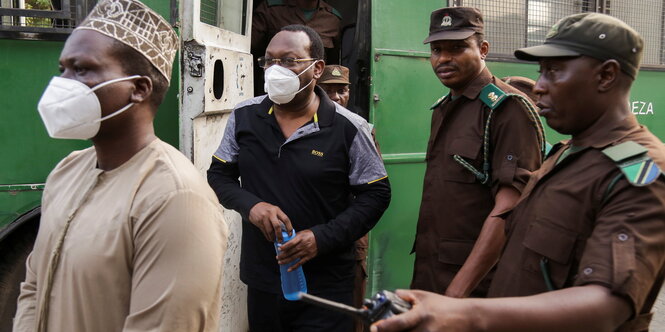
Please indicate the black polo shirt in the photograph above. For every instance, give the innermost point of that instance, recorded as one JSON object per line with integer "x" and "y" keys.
{"x": 327, "y": 177}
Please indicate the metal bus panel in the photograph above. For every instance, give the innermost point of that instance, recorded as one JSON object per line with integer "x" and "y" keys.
{"x": 402, "y": 90}
{"x": 28, "y": 152}
{"x": 647, "y": 101}
{"x": 14, "y": 203}
{"x": 216, "y": 75}
{"x": 401, "y": 115}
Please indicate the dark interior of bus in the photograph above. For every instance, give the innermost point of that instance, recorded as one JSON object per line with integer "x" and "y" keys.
{"x": 351, "y": 50}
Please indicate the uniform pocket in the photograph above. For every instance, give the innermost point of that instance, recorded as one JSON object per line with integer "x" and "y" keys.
{"x": 554, "y": 247}
{"x": 454, "y": 252}
{"x": 469, "y": 149}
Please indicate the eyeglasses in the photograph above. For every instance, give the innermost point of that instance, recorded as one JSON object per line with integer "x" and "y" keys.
{"x": 265, "y": 62}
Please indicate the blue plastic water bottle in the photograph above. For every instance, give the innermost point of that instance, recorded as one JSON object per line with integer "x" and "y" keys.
{"x": 292, "y": 282}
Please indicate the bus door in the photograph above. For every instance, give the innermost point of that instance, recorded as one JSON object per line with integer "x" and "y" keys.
{"x": 402, "y": 89}
{"x": 215, "y": 75}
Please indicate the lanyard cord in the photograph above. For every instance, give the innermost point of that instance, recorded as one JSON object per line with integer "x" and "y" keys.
{"x": 535, "y": 120}
{"x": 547, "y": 276}
{"x": 484, "y": 176}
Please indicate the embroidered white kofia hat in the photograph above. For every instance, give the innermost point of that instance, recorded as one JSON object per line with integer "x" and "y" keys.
{"x": 139, "y": 27}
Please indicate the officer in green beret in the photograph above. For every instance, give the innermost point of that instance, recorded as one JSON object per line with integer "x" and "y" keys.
{"x": 586, "y": 242}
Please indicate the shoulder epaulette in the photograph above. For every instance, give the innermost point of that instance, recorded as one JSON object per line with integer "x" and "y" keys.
{"x": 634, "y": 162}
{"x": 492, "y": 96}
{"x": 438, "y": 102}
{"x": 271, "y": 3}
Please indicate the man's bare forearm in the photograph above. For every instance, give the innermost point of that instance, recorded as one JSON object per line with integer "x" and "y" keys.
{"x": 587, "y": 308}
{"x": 584, "y": 309}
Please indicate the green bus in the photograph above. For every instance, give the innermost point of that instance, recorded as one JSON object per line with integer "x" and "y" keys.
{"x": 393, "y": 86}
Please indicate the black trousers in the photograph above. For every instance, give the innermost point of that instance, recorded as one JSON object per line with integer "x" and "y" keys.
{"x": 270, "y": 312}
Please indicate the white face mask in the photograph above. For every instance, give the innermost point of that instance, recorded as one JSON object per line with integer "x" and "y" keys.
{"x": 282, "y": 84}
{"x": 70, "y": 109}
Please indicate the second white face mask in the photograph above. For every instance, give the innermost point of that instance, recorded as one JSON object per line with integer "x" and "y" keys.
{"x": 71, "y": 110}
{"x": 282, "y": 84}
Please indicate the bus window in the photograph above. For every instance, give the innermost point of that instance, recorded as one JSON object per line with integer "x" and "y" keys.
{"x": 41, "y": 19}
{"x": 519, "y": 23}
{"x": 225, "y": 14}
{"x": 647, "y": 17}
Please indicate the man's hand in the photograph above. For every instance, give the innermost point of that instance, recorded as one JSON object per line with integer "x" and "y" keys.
{"x": 269, "y": 219}
{"x": 575, "y": 309}
{"x": 302, "y": 246}
{"x": 429, "y": 312}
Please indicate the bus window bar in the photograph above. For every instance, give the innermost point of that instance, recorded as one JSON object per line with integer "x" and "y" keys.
{"x": 32, "y": 29}
{"x": 17, "y": 22}
{"x": 61, "y": 14}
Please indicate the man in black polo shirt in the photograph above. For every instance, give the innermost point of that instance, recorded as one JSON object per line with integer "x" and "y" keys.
{"x": 309, "y": 164}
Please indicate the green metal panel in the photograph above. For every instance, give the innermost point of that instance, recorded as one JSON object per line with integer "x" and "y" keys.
{"x": 166, "y": 121}
{"x": 15, "y": 203}
{"x": 209, "y": 12}
{"x": 28, "y": 154}
{"x": 403, "y": 89}
{"x": 648, "y": 101}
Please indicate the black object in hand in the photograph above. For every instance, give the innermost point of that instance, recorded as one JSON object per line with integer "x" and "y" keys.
{"x": 383, "y": 305}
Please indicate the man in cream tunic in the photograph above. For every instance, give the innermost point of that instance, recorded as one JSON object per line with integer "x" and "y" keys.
{"x": 132, "y": 238}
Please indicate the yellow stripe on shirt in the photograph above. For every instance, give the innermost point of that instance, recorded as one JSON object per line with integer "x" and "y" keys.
{"x": 377, "y": 179}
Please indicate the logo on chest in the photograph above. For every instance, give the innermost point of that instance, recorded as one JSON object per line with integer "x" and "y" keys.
{"x": 317, "y": 153}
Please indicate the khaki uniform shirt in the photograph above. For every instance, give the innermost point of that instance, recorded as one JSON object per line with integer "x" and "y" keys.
{"x": 269, "y": 19}
{"x": 144, "y": 251}
{"x": 583, "y": 234}
{"x": 454, "y": 203}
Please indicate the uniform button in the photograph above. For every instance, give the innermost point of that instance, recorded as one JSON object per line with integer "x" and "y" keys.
{"x": 509, "y": 157}
{"x": 622, "y": 237}
{"x": 587, "y": 271}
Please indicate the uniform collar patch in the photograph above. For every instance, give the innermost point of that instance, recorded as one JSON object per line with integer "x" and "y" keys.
{"x": 492, "y": 96}
{"x": 438, "y": 102}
